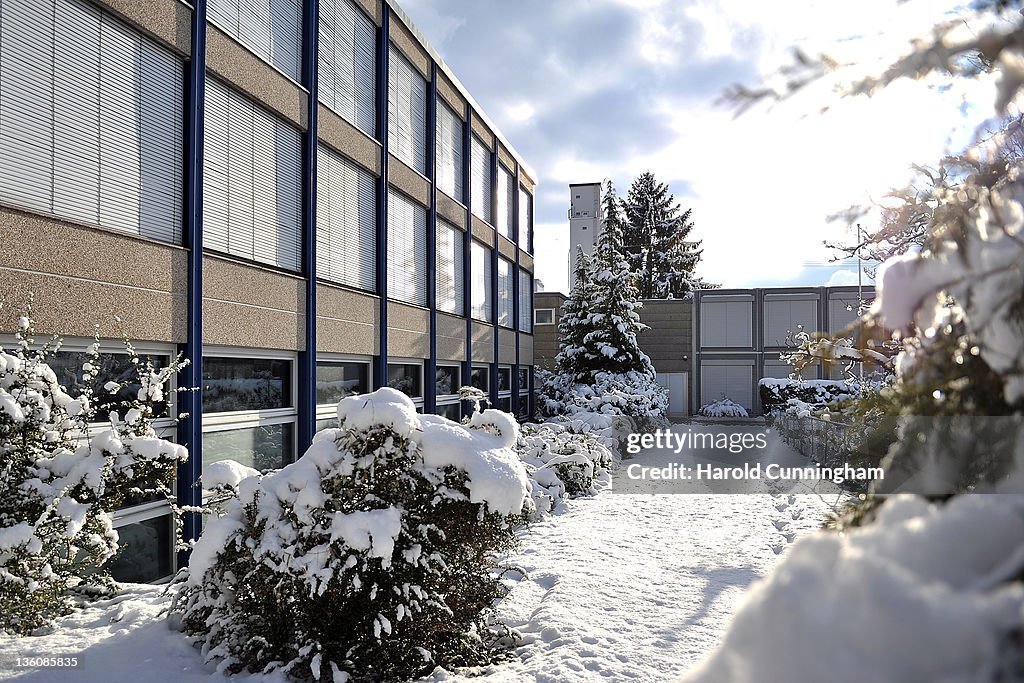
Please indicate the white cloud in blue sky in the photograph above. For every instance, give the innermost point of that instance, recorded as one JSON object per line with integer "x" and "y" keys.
{"x": 592, "y": 89}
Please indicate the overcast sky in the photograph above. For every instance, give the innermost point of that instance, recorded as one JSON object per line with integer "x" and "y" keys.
{"x": 593, "y": 89}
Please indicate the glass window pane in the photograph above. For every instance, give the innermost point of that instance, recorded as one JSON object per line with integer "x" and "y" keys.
{"x": 113, "y": 367}
{"x": 505, "y": 404}
{"x": 245, "y": 384}
{"x": 505, "y": 293}
{"x": 335, "y": 381}
{"x": 504, "y": 379}
{"x": 266, "y": 447}
{"x": 480, "y": 379}
{"x": 524, "y": 379}
{"x": 329, "y": 423}
{"x": 446, "y": 380}
{"x": 145, "y": 551}
{"x": 452, "y": 411}
{"x": 481, "y": 294}
{"x": 405, "y": 378}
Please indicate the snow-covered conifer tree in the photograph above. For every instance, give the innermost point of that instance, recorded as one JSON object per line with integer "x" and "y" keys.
{"x": 656, "y": 241}
{"x": 599, "y": 366}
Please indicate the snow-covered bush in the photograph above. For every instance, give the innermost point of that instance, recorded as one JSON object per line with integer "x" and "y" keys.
{"x": 562, "y": 460}
{"x": 59, "y": 485}
{"x": 723, "y": 407}
{"x": 371, "y": 556}
{"x": 804, "y": 395}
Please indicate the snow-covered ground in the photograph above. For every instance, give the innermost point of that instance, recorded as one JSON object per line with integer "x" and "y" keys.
{"x": 618, "y": 587}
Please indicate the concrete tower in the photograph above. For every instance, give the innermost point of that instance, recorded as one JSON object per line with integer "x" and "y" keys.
{"x": 584, "y": 221}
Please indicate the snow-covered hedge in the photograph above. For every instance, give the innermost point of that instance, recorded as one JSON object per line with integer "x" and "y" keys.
{"x": 371, "y": 556}
{"x": 562, "y": 459}
{"x": 803, "y": 395}
{"x": 724, "y": 407}
{"x": 923, "y": 593}
{"x": 634, "y": 394}
{"x": 58, "y": 487}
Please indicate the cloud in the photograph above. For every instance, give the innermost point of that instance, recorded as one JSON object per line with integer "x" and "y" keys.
{"x": 842, "y": 277}
{"x": 594, "y": 89}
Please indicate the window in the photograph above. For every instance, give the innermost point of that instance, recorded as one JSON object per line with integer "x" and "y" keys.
{"x": 405, "y": 377}
{"x": 249, "y": 409}
{"x": 524, "y": 392}
{"x": 270, "y": 28}
{"x": 451, "y": 411}
{"x": 544, "y": 316}
{"x": 525, "y": 220}
{"x": 252, "y": 165}
{"x": 506, "y": 202}
{"x": 146, "y": 538}
{"x": 338, "y": 380}
{"x": 450, "y": 293}
{"x": 91, "y": 120}
{"x": 481, "y": 378}
{"x": 505, "y": 293}
{"x": 346, "y": 68}
{"x": 449, "y": 151}
{"x": 482, "y": 297}
{"x": 525, "y": 300}
{"x": 113, "y": 367}
{"x": 446, "y": 380}
{"x": 481, "y": 176}
{"x": 407, "y": 112}
{"x": 231, "y": 384}
{"x": 346, "y": 222}
{"x": 407, "y": 250}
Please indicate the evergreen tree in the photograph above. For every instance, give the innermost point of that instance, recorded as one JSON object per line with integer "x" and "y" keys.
{"x": 655, "y": 240}
{"x": 600, "y": 367}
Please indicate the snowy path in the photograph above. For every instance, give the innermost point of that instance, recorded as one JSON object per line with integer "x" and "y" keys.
{"x": 620, "y": 587}
{"x": 633, "y": 587}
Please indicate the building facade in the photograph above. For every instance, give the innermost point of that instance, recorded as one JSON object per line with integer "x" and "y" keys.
{"x": 739, "y": 335}
{"x": 297, "y": 196}
{"x": 723, "y": 341}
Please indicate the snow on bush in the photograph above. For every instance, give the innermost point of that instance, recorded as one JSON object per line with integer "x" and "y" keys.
{"x": 804, "y": 397}
{"x": 918, "y": 595}
{"x": 370, "y": 556}
{"x": 59, "y": 486}
{"x": 562, "y": 460}
{"x": 723, "y": 408}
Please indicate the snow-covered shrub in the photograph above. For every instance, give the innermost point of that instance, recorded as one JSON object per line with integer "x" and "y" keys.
{"x": 59, "y": 485}
{"x": 370, "y": 556}
{"x": 723, "y": 407}
{"x": 924, "y": 593}
{"x": 562, "y": 461}
{"x": 799, "y": 395}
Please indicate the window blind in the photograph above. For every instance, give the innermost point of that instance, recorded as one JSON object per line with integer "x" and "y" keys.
{"x": 346, "y": 67}
{"x": 407, "y": 112}
{"x": 91, "y": 120}
{"x": 346, "y": 219}
{"x": 525, "y": 301}
{"x": 407, "y": 250}
{"x": 525, "y": 220}
{"x": 272, "y": 29}
{"x": 506, "y": 201}
{"x": 480, "y": 167}
{"x": 505, "y": 293}
{"x": 252, "y": 170}
{"x": 449, "y": 269}
{"x": 481, "y": 295}
{"x": 449, "y": 152}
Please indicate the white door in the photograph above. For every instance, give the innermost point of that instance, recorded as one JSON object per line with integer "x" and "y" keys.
{"x": 676, "y": 383}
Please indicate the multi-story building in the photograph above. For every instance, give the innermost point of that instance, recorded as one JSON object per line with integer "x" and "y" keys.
{"x": 298, "y": 196}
